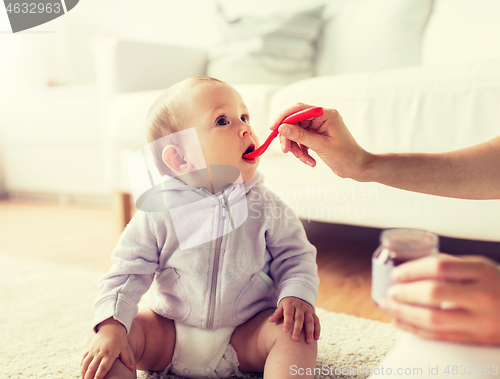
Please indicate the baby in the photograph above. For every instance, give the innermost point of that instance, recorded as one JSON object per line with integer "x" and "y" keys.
{"x": 212, "y": 299}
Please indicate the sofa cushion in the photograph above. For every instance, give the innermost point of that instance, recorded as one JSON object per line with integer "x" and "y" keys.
{"x": 275, "y": 46}
{"x": 367, "y": 35}
{"x": 462, "y": 31}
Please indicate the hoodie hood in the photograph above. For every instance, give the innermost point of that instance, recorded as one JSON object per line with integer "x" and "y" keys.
{"x": 174, "y": 192}
{"x": 222, "y": 182}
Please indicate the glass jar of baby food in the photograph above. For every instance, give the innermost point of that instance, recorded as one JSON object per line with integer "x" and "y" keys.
{"x": 398, "y": 246}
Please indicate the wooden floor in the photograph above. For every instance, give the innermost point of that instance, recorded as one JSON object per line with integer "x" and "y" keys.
{"x": 86, "y": 236}
{"x": 344, "y": 268}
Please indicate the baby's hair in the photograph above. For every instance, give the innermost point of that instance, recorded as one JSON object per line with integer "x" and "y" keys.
{"x": 165, "y": 117}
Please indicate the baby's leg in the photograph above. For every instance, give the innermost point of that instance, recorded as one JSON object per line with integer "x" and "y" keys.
{"x": 264, "y": 347}
{"x": 152, "y": 341}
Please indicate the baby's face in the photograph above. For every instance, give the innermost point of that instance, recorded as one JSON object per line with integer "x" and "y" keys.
{"x": 222, "y": 123}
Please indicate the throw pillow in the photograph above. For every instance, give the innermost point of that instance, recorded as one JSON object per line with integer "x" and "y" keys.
{"x": 273, "y": 47}
{"x": 367, "y": 35}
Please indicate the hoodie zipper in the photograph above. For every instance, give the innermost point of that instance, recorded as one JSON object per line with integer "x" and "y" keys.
{"x": 215, "y": 269}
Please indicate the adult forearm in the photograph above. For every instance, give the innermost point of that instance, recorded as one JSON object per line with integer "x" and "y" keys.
{"x": 470, "y": 173}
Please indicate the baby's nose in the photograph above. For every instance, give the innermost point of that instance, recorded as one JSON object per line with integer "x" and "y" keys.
{"x": 246, "y": 129}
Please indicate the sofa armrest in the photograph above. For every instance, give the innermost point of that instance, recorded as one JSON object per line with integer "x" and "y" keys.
{"x": 128, "y": 66}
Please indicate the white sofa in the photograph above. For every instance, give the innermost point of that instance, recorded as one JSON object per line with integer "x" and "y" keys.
{"x": 438, "y": 90}
{"x": 51, "y": 142}
{"x": 406, "y": 75}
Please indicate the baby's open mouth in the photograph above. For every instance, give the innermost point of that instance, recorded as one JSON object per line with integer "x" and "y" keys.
{"x": 250, "y": 149}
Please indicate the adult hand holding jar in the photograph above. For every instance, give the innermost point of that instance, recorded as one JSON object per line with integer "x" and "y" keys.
{"x": 440, "y": 297}
{"x": 447, "y": 298}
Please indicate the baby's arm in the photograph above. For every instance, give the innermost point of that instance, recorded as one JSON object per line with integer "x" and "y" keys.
{"x": 295, "y": 273}
{"x": 135, "y": 260}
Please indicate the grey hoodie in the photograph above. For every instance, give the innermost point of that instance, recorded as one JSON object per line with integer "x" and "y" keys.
{"x": 248, "y": 267}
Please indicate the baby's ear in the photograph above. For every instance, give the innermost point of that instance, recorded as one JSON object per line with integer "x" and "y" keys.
{"x": 173, "y": 156}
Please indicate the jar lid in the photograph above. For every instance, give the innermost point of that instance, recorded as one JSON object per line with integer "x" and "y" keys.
{"x": 410, "y": 243}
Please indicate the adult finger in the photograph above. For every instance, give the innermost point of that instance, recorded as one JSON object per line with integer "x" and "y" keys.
{"x": 306, "y": 137}
{"x": 287, "y": 112}
{"x": 440, "y": 266}
{"x": 290, "y": 146}
{"x": 455, "y": 336}
{"x": 304, "y": 156}
{"x": 478, "y": 258}
{"x": 298, "y": 324}
{"x": 434, "y": 293}
{"x": 286, "y": 145}
{"x": 433, "y": 319}
{"x": 299, "y": 151}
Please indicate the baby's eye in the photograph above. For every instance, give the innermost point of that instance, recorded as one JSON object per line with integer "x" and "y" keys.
{"x": 221, "y": 121}
{"x": 245, "y": 119}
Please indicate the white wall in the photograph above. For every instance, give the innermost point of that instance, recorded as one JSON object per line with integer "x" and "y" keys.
{"x": 60, "y": 52}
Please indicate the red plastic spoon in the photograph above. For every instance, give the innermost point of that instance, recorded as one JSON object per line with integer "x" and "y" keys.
{"x": 292, "y": 119}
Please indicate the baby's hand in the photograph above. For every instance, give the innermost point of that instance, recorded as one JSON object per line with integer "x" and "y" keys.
{"x": 106, "y": 346}
{"x": 303, "y": 312}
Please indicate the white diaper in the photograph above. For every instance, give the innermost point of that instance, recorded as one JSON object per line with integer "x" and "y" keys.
{"x": 203, "y": 353}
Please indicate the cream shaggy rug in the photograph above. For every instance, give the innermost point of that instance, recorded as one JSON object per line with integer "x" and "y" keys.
{"x": 46, "y": 312}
